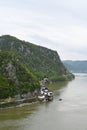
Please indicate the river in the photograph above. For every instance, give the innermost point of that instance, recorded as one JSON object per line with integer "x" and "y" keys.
{"x": 68, "y": 114}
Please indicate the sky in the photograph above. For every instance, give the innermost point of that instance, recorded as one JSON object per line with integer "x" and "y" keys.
{"x": 57, "y": 25}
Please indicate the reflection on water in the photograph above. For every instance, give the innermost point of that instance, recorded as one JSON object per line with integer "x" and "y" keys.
{"x": 68, "y": 114}
{"x": 12, "y": 119}
{"x": 17, "y": 113}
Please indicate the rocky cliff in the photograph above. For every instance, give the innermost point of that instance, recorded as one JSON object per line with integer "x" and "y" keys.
{"x": 41, "y": 61}
{"x": 15, "y": 78}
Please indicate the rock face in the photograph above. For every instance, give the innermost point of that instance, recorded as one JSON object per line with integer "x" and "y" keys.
{"x": 15, "y": 78}
{"x": 42, "y": 62}
{"x": 10, "y": 70}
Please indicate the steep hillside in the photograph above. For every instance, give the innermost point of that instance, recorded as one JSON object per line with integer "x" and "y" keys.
{"x": 15, "y": 78}
{"x": 76, "y": 66}
{"x": 41, "y": 61}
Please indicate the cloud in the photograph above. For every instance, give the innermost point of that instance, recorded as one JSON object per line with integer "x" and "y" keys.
{"x": 58, "y": 25}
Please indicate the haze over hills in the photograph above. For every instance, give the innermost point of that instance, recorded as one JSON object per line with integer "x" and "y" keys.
{"x": 23, "y": 64}
{"x": 79, "y": 66}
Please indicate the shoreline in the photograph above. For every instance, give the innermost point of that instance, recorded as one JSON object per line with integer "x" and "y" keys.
{"x": 21, "y": 105}
{"x": 18, "y": 103}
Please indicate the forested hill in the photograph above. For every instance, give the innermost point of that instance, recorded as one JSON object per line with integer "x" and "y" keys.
{"x": 76, "y": 66}
{"x": 15, "y": 78}
{"x": 42, "y": 62}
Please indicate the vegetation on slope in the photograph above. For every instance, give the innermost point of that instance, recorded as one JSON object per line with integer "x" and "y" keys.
{"x": 42, "y": 62}
{"x": 15, "y": 78}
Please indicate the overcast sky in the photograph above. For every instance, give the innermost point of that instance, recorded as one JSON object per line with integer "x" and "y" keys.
{"x": 58, "y": 25}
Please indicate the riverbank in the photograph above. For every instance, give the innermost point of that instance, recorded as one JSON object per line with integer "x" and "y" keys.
{"x": 25, "y": 99}
{"x": 18, "y": 103}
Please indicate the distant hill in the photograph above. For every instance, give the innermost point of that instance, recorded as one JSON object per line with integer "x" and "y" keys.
{"x": 76, "y": 66}
{"x": 41, "y": 61}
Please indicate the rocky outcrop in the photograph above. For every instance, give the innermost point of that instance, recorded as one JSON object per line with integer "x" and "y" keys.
{"x": 15, "y": 78}
{"x": 41, "y": 61}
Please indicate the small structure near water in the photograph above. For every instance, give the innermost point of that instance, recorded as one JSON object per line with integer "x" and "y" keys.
{"x": 45, "y": 94}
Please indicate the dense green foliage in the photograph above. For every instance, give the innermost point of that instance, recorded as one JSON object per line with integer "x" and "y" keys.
{"x": 23, "y": 64}
{"x": 42, "y": 62}
{"x": 15, "y": 78}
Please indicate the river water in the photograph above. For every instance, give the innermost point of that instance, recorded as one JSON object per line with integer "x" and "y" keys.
{"x": 68, "y": 114}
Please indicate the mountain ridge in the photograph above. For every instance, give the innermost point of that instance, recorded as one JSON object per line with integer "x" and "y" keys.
{"x": 41, "y": 61}
{"x": 76, "y": 66}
